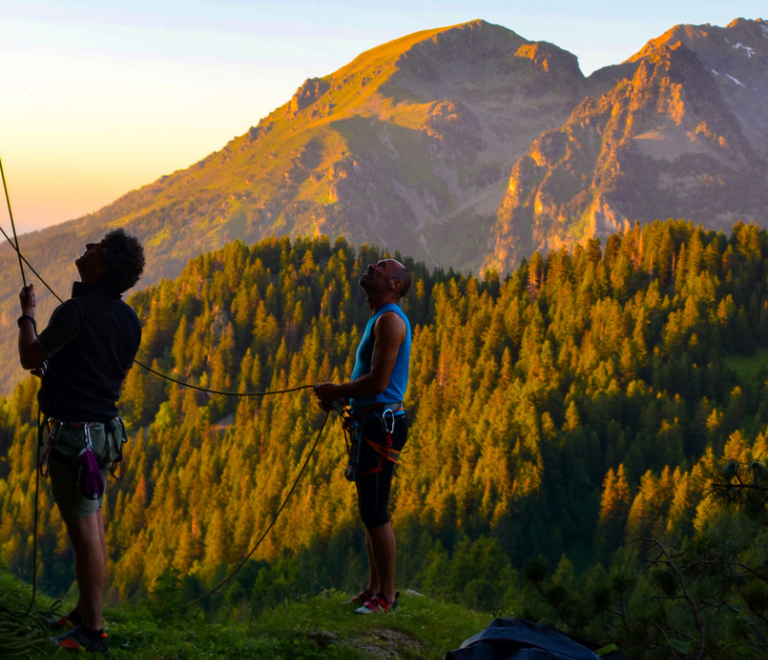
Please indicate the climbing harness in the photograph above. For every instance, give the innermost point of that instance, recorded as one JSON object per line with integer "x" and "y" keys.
{"x": 353, "y": 424}
{"x": 85, "y": 468}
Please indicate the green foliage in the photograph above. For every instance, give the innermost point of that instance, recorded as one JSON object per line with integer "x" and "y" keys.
{"x": 742, "y": 485}
{"x": 584, "y": 401}
{"x": 318, "y": 628}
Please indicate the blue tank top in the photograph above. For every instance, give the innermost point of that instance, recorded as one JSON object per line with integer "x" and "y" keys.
{"x": 398, "y": 383}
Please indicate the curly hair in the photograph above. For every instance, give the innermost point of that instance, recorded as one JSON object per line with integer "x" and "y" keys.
{"x": 124, "y": 258}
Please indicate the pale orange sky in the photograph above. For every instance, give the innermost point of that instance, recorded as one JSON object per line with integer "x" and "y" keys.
{"x": 102, "y": 97}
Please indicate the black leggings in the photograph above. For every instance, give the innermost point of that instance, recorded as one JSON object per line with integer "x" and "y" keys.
{"x": 373, "y": 489}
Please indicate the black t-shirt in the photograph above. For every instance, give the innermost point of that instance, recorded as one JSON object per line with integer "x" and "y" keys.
{"x": 90, "y": 343}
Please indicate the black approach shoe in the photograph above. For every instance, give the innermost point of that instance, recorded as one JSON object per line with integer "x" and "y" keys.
{"x": 66, "y": 621}
{"x": 78, "y": 639}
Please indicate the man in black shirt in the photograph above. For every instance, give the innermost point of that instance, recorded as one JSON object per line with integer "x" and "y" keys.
{"x": 83, "y": 357}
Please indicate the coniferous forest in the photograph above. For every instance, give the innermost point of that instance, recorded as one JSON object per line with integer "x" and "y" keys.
{"x": 579, "y": 429}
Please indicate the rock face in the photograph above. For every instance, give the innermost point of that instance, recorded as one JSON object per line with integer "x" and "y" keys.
{"x": 307, "y": 95}
{"x": 679, "y": 130}
{"x": 414, "y": 139}
{"x": 737, "y": 57}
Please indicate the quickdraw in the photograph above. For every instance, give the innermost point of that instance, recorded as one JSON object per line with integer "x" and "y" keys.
{"x": 117, "y": 467}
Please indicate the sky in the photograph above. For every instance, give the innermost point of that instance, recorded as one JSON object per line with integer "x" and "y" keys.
{"x": 102, "y": 97}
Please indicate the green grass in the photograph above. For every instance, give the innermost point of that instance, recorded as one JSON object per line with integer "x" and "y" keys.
{"x": 318, "y": 627}
{"x": 748, "y": 368}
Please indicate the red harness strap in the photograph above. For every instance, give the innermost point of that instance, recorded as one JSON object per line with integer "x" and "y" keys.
{"x": 386, "y": 454}
{"x": 385, "y": 451}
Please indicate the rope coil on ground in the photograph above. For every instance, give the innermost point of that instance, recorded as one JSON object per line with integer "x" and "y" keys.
{"x": 27, "y": 633}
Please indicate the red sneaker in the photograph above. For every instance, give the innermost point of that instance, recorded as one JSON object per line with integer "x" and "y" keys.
{"x": 363, "y": 597}
{"x": 378, "y": 605}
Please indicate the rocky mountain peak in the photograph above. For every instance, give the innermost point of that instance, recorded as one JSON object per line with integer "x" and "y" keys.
{"x": 307, "y": 94}
{"x": 747, "y": 39}
{"x": 664, "y": 140}
{"x": 550, "y": 58}
{"x": 468, "y": 55}
{"x": 671, "y": 84}
{"x": 470, "y": 146}
{"x": 736, "y": 57}
{"x": 456, "y": 55}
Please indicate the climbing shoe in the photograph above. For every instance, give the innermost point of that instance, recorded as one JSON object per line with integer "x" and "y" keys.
{"x": 363, "y": 597}
{"x": 66, "y": 621}
{"x": 80, "y": 639}
{"x": 377, "y": 605}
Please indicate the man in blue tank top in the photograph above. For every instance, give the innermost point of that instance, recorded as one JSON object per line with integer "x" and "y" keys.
{"x": 375, "y": 394}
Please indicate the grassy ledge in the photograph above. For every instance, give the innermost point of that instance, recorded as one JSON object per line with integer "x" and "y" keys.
{"x": 321, "y": 626}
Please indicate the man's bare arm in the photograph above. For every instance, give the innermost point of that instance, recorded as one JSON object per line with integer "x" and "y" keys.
{"x": 389, "y": 334}
{"x": 31, "y": 355}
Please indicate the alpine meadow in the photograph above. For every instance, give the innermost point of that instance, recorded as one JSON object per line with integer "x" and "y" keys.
{"x": 588, "y": 383}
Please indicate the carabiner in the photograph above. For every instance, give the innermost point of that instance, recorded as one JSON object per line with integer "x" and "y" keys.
{"x": 388, "y": 427}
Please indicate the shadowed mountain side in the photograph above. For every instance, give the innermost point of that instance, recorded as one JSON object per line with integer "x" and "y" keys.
{"x": 663, "y": 142}
{"x": 408, "y": 147}
{"x": 737, "y": 57}
{"x": 465, "y": 147}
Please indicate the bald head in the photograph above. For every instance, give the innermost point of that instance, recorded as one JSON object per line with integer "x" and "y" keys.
{"x": 400, "y": 272}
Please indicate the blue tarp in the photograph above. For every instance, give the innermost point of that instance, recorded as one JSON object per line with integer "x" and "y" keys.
{"x": 517, "y": 639}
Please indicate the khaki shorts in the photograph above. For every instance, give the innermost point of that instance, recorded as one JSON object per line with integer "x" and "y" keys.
{"x": 107, "y": 440}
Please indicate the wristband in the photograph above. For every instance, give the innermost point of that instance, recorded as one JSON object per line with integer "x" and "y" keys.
{"x": 26, "y": 317}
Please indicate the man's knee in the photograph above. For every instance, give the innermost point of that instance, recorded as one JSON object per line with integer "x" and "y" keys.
{"x": 84, "y": 530}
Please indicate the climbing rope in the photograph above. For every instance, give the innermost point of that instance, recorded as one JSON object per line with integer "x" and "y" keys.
{"x": 13, "y": 225}
{"x": 19, "y": 632}
{"x": 210, "y": 391}
{"x": 271, "y": 524}
{"x": 23, "y": 633}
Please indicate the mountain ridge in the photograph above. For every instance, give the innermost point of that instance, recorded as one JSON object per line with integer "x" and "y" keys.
{"x": 414, "y": 146}
{"x": 666, "y": 139}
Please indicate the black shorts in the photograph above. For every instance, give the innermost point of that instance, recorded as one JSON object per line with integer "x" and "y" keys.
{"x": 373, "y": 488}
